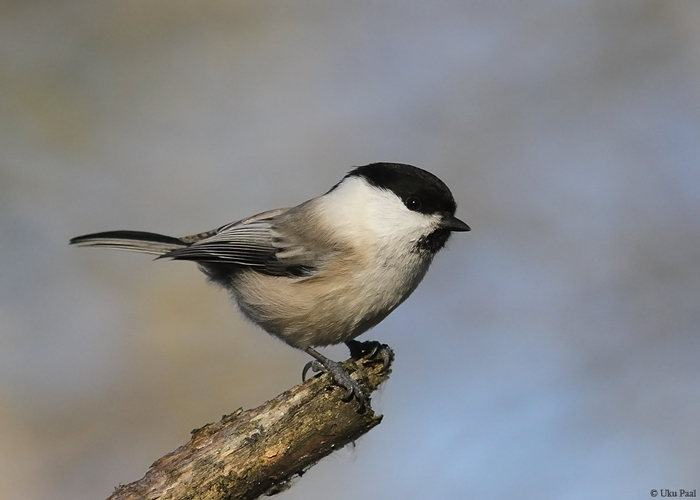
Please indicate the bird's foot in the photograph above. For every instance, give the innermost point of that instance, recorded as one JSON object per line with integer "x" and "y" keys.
{"x": 372, "y": 350}
{"x": 340, "y": 376}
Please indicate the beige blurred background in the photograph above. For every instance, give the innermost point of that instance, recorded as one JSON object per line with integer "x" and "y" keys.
{"x": 551, "y": 353}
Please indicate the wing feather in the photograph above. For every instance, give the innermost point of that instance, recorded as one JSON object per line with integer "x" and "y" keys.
{"x": 255, "y": 243}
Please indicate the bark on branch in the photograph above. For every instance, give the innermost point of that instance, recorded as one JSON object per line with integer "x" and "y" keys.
{"x": 258, "y": 451}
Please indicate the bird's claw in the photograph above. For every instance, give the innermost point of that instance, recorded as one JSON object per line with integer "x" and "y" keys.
{"x": 314, "y": 366}
{"x": 343, "y": 379}
{"x": 340, "y": 377}
{"x": 371, "y": 349}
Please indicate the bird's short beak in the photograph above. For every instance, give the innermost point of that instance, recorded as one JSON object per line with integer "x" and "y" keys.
{"x": 452, "y": 223}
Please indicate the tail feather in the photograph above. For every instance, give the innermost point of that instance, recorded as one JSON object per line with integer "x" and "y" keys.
{"x": 134, "y": 241}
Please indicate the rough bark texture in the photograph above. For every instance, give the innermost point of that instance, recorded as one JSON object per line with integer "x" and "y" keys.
{"x": 258, "y": 451}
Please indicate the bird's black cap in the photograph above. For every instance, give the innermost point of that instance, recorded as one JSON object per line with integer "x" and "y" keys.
{"x": 420, "y": 190}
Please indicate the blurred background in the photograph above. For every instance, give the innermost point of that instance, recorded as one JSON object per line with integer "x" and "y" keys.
{"x": 551, "y": 353}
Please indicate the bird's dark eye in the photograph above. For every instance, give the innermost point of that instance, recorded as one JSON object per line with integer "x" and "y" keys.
{"x": 413, "y": 203}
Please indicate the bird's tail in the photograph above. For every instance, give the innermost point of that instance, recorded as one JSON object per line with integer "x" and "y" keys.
{"x": 133, "y": 241}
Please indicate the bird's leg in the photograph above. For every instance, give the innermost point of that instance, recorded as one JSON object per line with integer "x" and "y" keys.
{"x": 339, "y": 375}
{"x": 371, "y": 349}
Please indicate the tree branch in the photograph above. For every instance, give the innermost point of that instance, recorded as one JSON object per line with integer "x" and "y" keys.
{"x": 250, "y": 453}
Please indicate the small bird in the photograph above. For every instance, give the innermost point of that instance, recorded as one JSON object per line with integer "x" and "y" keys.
{"x": 327, "y": 270}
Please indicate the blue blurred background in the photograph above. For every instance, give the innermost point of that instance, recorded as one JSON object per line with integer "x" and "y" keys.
{"x": 551, "y": 353}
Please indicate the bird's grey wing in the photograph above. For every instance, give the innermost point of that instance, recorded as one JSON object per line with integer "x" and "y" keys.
{"x": 255, "y": 242}
{"x": 207, "y": 234}
{"x": 301, "y": 249}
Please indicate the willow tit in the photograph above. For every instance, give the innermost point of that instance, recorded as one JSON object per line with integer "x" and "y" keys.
{"x": 327, "y": 270}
